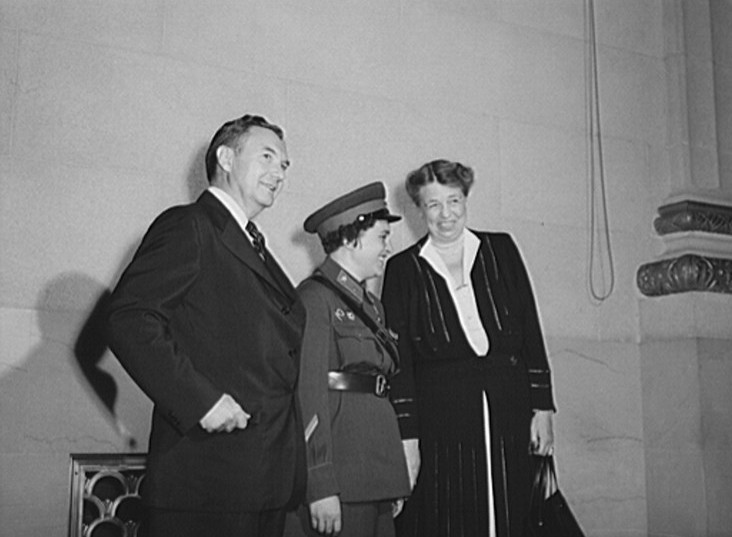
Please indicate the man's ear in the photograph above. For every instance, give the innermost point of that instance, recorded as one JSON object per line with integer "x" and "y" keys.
{"x": 225, "y": 156}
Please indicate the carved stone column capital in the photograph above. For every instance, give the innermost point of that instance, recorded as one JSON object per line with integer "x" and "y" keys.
{"x": 698, "y": 238}
{"x": 693, "y": 216}
{"x": 688, "y": 272}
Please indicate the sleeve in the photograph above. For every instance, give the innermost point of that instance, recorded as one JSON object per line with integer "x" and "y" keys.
{"x": 314, "y": 397}
{"x": 533, "y": 348}
{"x": 395, "y": 298}
{"x": 153, "y": 285}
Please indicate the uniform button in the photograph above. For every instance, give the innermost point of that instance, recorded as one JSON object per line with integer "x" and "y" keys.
{"x": 292, "y": 353}
{"x": 285, "y": 311}
{"x": 513, "y": 360}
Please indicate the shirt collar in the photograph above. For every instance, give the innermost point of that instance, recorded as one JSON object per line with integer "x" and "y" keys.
{"x": 231, "y": 205}
{"x": 470, "y": 252}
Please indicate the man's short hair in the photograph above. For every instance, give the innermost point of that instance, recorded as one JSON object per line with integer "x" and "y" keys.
{"x": 230, "y": 133}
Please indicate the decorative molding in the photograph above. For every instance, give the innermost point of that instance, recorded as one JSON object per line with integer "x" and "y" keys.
{"x": 691, "y": 215}
{"x": 696, "y": 242}
{"x": 688, "y": 272}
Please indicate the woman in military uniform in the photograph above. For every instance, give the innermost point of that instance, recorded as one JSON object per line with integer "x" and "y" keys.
{"x": 357, "y": 474}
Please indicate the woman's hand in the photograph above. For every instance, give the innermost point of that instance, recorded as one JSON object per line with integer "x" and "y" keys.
{"x": 542, "y": 433}
{"x": 325, "y": 515}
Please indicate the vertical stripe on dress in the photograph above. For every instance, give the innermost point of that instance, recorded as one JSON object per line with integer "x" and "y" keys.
{"x": 489, "y": 469}
{"x": 505, "y": 486}
{"x": 439, "y": 307}
{"x": 484, "y": 272}
{"x": 428, "y": 301}
{"x": 476, "y": 513}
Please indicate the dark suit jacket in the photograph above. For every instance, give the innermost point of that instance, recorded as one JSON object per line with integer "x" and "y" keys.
{"x": 196, "y": 314}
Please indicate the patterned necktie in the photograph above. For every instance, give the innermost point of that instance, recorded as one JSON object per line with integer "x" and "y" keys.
{"x": 257, "y": 239}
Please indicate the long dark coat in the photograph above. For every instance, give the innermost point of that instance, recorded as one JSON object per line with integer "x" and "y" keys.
{"x": 440, "y": 393}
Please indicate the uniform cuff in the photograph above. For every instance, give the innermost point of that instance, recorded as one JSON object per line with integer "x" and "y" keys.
{"x": 322, "y": 482}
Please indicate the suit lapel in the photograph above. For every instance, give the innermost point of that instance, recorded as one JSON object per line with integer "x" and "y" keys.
{"x": 280, "y": 277}
{"x": 234, "y": 239}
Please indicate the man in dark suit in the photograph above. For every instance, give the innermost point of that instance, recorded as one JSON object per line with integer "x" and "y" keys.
{"x": 208, "y": 325}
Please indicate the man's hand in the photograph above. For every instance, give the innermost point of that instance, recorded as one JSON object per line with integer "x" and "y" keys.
{"x": 542, "y": 433}
{"x": 225, "y": 415}
{"x": 325, "y": 515}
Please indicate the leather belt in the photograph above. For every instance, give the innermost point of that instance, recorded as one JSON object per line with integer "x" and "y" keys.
{"x": 358, "y": 382}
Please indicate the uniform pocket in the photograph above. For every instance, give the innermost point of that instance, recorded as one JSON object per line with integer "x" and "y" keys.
{"x": 357, "y": 344}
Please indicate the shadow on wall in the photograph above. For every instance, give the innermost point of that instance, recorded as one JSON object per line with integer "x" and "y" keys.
{"x": 66, "y": 392}
{"x": 90, "y": 348}
{"x": 60, "y": 398}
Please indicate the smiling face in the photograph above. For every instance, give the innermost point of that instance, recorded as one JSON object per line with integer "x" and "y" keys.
{"x": 255, "y": 169}
{"x": 370, "y": 251}
{"x": 444, "y": 209}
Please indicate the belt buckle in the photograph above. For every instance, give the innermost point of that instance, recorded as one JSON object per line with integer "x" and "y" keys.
{"x": 381, "y": 385}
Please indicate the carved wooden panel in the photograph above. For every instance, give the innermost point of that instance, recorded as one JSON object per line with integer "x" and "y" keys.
{"x": 105, "y": 495}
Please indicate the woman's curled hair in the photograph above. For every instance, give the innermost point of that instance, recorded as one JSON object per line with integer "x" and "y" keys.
{"x": 445, "y": 172}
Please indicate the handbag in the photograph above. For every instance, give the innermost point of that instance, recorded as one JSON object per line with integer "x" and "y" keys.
{"x": 549, "y": 513}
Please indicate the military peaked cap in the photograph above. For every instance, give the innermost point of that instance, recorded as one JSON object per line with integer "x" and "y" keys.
{"x": 366, "y": 202}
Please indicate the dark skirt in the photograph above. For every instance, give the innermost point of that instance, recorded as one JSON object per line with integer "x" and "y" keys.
{"x": 451, "y": 495}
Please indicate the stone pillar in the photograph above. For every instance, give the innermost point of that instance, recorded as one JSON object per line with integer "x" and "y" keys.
{"x": 686, "y": 310}
{"x": 686, "y": 371}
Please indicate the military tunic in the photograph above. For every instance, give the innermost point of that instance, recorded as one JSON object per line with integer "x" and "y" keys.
{"x": 354, "y": 448}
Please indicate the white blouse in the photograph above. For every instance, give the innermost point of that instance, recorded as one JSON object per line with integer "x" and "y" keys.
{"x": 462, "y": 295}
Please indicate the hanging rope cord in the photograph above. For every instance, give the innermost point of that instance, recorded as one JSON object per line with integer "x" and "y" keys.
{"x": 596, "y": 170}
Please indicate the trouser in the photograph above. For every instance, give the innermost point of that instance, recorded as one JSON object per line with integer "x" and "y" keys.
{"x": 168, "y": 523}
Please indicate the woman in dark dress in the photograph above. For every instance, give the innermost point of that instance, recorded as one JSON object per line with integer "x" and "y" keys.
{"x": 475, "y": 384}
